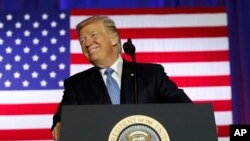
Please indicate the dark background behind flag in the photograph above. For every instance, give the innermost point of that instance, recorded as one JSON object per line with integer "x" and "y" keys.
{"x": 238, "y": 24}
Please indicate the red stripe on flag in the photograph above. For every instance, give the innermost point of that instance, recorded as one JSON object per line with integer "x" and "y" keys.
{"x": 165, "y": 57}
{"x": 78, "y": 59}
{"x": 26, "y": 134}
{"x": 22, "y": 109}
{"x": 188, "y": 32}
{"x": 218, "y": 105}
{"x": 174, "y": 32}
{"x": 121, "y": 11}
{"x": 196, "y": 81}
{"x": 30, "y": 109}
{"x": 45, "y": 134}
{"x": 223, "y": 131}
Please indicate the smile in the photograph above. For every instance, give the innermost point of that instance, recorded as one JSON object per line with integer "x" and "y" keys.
{"x": 92, "y": 50}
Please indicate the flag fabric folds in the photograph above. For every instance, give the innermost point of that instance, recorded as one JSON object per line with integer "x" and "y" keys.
{"x": 39, "y": 49}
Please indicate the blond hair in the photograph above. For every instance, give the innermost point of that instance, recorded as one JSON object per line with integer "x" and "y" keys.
{"x": 108, "y": 23}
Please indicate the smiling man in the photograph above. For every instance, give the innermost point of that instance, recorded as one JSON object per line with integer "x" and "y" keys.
{"x": 110, "y": 81}
{"x": 99, "y": 41}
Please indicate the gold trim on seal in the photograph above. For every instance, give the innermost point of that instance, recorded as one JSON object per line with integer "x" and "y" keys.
{"x": 136, "y": 120}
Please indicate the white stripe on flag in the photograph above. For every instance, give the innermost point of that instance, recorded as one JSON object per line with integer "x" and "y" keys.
{"x": 209, "y": 93}
{"x": 162, "y": 20}
{"x": 223, "y": 139}
{"x": 25, "y": 122}
{"x": 197, "y": 69}
{"x": 223, "y": 118}
{"x": 55, "y": 96}
{"x": 30, "y": 96}
{"x": 170, "y": 45}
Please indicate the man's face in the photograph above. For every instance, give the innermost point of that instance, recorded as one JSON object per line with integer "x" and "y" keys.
{"x": 98, "y": 45}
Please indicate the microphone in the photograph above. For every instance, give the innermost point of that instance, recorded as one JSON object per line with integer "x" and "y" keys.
{"x": 129, "y": 48}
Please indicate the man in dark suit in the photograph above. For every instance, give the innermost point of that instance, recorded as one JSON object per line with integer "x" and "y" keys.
{"x": 101, "y": 45}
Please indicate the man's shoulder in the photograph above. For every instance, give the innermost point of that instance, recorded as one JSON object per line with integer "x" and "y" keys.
{"x": 142, "y": 67}
{"x": 83, "y": 74}
{"x": 149, "y": 65}
{"x": 141, "y": 64}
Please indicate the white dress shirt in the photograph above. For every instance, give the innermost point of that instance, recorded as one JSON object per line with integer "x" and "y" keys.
{"x": 117, "y": 74}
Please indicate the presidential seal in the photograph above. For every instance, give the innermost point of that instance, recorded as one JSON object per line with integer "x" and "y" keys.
{"x": 138, "y": 128}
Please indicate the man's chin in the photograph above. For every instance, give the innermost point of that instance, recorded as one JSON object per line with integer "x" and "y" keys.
{"x": 95, "y": 62}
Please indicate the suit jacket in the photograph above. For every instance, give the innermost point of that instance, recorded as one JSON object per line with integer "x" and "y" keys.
{"x": 154, "y": 86}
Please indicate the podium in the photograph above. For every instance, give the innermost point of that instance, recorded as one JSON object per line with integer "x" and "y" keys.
{"x": 144, "y": 122}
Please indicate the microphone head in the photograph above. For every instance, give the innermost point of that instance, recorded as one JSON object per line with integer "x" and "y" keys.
{"x": 128, "y": 47}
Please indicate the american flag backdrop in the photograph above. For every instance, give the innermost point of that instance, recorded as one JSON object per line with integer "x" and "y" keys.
{"x": 39, "y": 49}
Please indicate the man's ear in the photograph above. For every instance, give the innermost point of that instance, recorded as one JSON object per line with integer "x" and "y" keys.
{"x": 114, "y": 39}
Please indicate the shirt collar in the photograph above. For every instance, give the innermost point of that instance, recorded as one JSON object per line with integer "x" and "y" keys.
{"x": 117, "y": 66}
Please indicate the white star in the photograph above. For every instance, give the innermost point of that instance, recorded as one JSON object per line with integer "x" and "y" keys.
{"x": 1, "y": 75}
{"x": 8, "y": 66}
{"x": 17, "y": 58}
{"x": 60, "y": 83}
{"x": 8, "y": 50}
{"x": 44, "y": 32}
{"x": 53, "y": 24}
{"x": 35, "y": 24}
{"x": 45, "y": 16}
{"x": 43, "y": 83}
{"x": 25, "y": 83}
{"x": 62, "y": 16}
{"x": 26, "y": 17}
{"x": 35, "y": 58}
{"x": 53, "y": 40}
{"x": 7, "y": 83}
{"x": 44, "y": 49}
{"x": 62, "y": 32}
{"x": 61, "y": 66}
{"x": 18, "y": 25}
{"x": 35, "y": 41}
{"x": 1, "y": 41}
{"x": 16, "y": 75}
{"x": 26, "y": 50}
{"x": 1, "y": 58}
{"x": 9, "y": 33}
{"x": 62, "y": 49}
{"x": 18, "y": 41}
{"x": 1, "y": 25}
{"x": 44, "y": 66}
{"x": 9, "y": 17}
{"x": 34, "y": 74}
{"x": 52, "y": 74}
{"x": 26, "y": 33}
{"x": 53, "y": 57}
{"x": 26, "y": 66}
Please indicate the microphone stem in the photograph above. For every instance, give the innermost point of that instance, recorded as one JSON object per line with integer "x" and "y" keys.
{"x": 135, "y": 79}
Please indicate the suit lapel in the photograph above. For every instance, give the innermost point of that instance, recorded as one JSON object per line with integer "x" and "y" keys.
{"x": 127, "y": 84}
{"x": 99, "y": 88}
